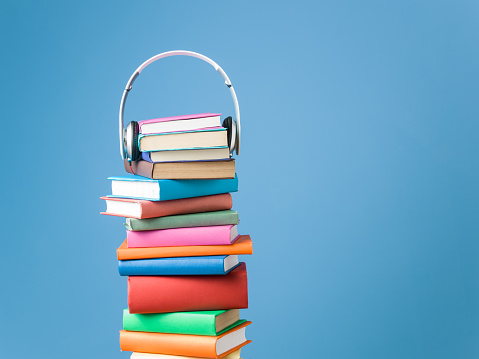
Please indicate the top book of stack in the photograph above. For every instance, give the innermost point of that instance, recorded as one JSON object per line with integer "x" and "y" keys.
{"x": 180, "y": 123}
{"x": 183, "y": 147}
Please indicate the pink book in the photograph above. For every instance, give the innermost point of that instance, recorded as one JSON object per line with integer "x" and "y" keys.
{"x": 180, "y": 123}
{"x": 193, "y": 236}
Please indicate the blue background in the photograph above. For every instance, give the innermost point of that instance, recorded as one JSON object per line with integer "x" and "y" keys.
{"x": 358, "y": 170}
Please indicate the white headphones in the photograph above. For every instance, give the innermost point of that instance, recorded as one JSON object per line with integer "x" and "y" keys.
{"x": 129, "y": 137}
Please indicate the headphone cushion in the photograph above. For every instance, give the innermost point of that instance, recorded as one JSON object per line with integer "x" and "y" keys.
{"x": 132, "y": 150}
{"x": 230, "y": 126}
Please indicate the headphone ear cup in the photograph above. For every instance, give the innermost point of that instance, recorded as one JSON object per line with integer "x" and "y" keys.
{"x": 132, "y": 150}
{"x": 230, "y": 126}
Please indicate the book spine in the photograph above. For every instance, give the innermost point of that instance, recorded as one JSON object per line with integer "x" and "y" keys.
{"x": 207, "y": 265}
{"x": 173, "y": 189}
{"x": 136, "y": 355}
{"x": 165, "y": 343}
{"x": 174, "y": 323}
{"x": 140, "y": 168}
{"x": 216, "y": 202}
{"x": 195, "y": 170}
{"x": 205, "y": 219}
{"x": 163, "y": 294}
{"x": 242, "y": 245}
{"x": 199, "y": 236}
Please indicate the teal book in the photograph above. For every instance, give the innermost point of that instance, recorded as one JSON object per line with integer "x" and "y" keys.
{"x": 133, "y": 186}
{"x": 205, "y": 219}
{"x": 210, "y": 323}
{"x": 184, "y": 140}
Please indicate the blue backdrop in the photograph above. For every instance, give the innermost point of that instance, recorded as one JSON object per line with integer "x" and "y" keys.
{"x": 358, "y": 172}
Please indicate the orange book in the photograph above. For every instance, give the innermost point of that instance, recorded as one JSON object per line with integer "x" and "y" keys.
{"x": 185, "y": 344}
{"x": 242, "y": 245}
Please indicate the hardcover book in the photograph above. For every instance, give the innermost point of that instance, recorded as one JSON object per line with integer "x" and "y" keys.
{"x": 164, "y": 294}
{"x": 184, "y": 344}
{"x": 204, "y": 265}
{"x": 234, "y": 355}
{"x": 132, "y": 186}
{"x": 192, "y": 236}
{"x": 180, "y": 123}
{"x": 204, "y": 219}
{"x": 140, "y": 209}
{"x": 242, "y": 245}
{"x": 205, "y": 138}
{"x": 199, "y": 154}
{"x": 182, "y": 170}
{"x": 212, "y": 323}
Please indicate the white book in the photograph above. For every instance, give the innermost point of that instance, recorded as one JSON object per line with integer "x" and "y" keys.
{"x": 233, "y": 355}
{"x": 180, "y": 123}
{"x": 204, "y": 138}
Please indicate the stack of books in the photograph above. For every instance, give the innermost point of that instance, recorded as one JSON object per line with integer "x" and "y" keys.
{"x": 185, "y": 281}
{"x": 183, "y": 147}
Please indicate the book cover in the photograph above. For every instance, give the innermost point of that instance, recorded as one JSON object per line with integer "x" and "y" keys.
{"x": 132, "y": 186}
{"x": 163, "y": 294}
{"x": 190, "y": 236}
{"x": 182, "y": 170}
{"x": 193, "y": 323}
{"x": 204, "y": 219}
{"x": 183, "y": 344}
{"x": 203, "y": 265}
{"x": 243, "y": 245}
{"x": 142, "y": 209}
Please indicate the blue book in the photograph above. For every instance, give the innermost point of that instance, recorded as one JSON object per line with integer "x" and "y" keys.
{"x": 133, "y": 186}
{"x": 206, "y": 265}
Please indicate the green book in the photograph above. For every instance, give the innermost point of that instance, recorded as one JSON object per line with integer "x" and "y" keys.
{"x": 204, "y": 219}
{"x": 211, "y": 322}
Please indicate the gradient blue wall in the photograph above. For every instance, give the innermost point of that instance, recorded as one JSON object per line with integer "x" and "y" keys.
{"x": 358, "y": 172}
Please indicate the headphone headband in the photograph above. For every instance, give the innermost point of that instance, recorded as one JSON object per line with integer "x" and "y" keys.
{"x": 235, "y": 145}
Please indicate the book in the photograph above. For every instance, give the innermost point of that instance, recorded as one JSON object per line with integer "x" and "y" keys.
{"x": 199, "y": 154}
{"x": 204, "y": 138}
{"x": 234, "y": 355}
{"x": 203, "y": 265}
{"x": 216, "y": 218}
{"x": 180, "y": 123}
{"x": 182, "y": 170}
{"x": 132, "y": 186}
{"x": 212, "y": 322}
{"x": 189, "y": 236}
{"x": 140, "y": 209}
{"x": 184, "y": 344}
{"x": 164, "y": 294}
{"x": 242, "y": 245}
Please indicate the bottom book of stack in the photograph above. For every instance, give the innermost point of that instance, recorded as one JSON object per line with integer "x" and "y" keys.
{"x": 233, "y": 355}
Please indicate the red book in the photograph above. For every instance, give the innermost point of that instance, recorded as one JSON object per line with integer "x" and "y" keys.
{"x": 138, "y": 208}
{"x": 163, "y": 294}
